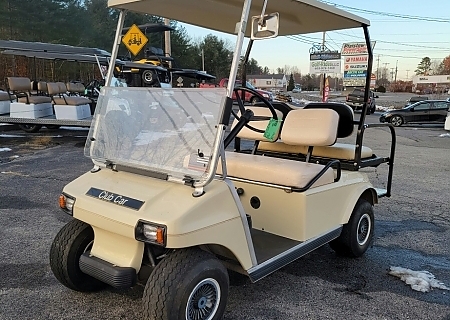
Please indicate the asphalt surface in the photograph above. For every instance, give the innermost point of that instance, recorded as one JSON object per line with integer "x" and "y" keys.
{"x": 412, "y": 230}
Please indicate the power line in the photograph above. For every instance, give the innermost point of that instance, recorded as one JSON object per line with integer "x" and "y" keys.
{"x": 396, "y": 43}
{"x": 388, "y": 14}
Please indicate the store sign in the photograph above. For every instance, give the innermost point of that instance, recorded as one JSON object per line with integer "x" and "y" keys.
{"x": 355, "y": 48}
{"x": 354, "y": 82}
{"x": 355, "y": 74}
{"x": 318, "y": 66}
{"x": 325, "y": 56}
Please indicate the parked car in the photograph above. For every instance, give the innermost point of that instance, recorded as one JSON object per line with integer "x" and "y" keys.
{"x": 415, "y": 99}
{"x": 296, "y": 90}
{"x": 419, "y": 112}
{"x": 355, "y": 100}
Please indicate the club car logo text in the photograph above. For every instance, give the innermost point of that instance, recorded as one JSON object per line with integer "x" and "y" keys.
{"x": 115, "y": 198}
{"x": 105, "y": 195}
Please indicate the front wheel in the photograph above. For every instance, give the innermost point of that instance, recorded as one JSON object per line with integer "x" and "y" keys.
{"x": 396, "y": 121}
{"x": 74, "y": 239}
{"x": 357, "y": 234}
{"x": 189, "y": 284}
{"x": 30, "y": 128}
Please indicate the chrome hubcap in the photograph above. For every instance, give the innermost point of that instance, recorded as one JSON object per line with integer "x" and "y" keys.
{"x": 203, "y": 300}
{"x": 364, "y": 228}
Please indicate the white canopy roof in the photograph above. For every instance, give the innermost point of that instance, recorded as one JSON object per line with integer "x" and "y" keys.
{"x": 296, "y": 16}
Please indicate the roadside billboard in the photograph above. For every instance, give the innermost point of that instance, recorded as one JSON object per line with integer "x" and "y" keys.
{"x": 355, "y": 63}
{"x": 318, "y": 66}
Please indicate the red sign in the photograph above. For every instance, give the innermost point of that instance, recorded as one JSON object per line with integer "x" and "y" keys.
{"x": 326, "y": 91}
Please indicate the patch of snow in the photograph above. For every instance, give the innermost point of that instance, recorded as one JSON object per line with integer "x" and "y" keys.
{"x": 5, "y": 149}
{"x": 10, "y": 136}
{"x": 422, "y": 281}
{"x": 446, "y": 135}
{"x": 384, "y": 109}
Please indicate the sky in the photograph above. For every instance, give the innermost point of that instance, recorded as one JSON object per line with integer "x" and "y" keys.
{"x": 400, "y": 42}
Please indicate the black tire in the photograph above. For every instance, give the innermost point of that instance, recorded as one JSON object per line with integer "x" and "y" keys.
{"x": 30, "y": 128}
{"x": 148, "y": 77}
{"x": 187, "y": 285}
{"x": 254, "y": 100}
{"x": 357, "y": 234}
{"x": 396, "y": 121}
{"x": 69, "y": 244}
{"x": 53, "y": 127}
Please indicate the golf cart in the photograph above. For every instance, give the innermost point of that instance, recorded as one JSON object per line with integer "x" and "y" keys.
{"x": 166, "y": 205}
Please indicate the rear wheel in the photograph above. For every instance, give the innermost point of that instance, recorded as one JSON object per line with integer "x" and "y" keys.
{"x": 396, "y": 121}
{"x": 74, "y": 239}
{"x": 357, "y": 234}
{"x": 30, "y": 128}
{"x": 188, "y": 284}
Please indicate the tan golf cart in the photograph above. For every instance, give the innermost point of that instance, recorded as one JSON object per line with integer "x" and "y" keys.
{"x": 166, "y": 205}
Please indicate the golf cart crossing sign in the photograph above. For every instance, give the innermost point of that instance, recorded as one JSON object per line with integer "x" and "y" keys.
{"x": 134, "y": 40}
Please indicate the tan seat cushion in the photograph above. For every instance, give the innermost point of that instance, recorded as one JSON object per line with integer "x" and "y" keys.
{"x": 19, "y": 84}
{"x": 339, "y": 151}
{"x": 4, "y": 96}
{"x": 71, "y": 101}
{"x": 275, "y": 170}
{"x": 35, "y": 99}
{"x": 310, "y": 127}
{"x": 75, "y": 87}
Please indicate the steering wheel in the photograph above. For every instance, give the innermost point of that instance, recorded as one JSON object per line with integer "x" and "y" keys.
{"x": 242, "y": 107}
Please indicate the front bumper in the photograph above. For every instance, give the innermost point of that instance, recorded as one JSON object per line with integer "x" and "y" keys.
{"x": 118, "y": 277}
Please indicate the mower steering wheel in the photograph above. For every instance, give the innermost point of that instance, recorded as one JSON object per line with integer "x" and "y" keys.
{"x": 242, "y": 107}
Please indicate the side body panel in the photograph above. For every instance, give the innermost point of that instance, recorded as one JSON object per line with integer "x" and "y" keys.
{"x": 212, "y": 218}
{"x": 303, "y": 215}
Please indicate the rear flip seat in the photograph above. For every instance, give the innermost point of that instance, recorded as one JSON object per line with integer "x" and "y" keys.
{"x": 57, "y": 91}
{"x": 21, "y": 87}
{"x": 340, "y": 151}
{"x": 301, "y": 127}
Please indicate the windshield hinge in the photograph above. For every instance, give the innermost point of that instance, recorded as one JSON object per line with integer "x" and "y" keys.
{"x": 198, "y": 192}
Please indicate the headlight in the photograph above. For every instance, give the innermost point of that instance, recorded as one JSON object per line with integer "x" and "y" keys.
{"x": 66, "y": 203}
{"x": 150, "y": 233}
{"x": 265, "y": 95}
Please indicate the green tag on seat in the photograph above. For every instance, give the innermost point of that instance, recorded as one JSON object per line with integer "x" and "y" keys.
{"x": 273, "y": 127}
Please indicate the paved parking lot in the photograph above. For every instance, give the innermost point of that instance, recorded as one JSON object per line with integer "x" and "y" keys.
{"x": 412, "y": 231}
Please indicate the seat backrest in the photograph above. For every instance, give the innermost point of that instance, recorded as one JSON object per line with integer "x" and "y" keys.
{"x": 75, "y": 87}
{"x": 310, "y": 127}
{"x": 19, "y": 84}
{"x": 265, "y": 114}
{"x": 42, "y": 86}
{"x": 62, "y": 87}
{"x": 53, "y": 88}
{"x": 345, "y": 112}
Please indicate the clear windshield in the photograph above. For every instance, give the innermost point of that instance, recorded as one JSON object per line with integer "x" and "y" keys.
{"x": 165, "y": 130}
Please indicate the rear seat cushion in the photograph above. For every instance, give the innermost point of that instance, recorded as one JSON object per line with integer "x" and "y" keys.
{"x": 4, "y": 96}
{"x": 35, "y": 99}
{"x": 340, "y": 151}
{"x": 249, "y": 134}
{"x": 276, "y": 171}
{"x": 53, "y": 88}
{"x": 75, "y": 87}
{"x": 71, "y": 100}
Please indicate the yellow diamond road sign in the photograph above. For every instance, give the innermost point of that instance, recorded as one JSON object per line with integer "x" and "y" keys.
{"x": 134, "y": 39}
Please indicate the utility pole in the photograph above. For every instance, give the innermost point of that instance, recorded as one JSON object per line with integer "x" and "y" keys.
{"x": 385, "y": 68}
{"x": 396, "y": 69}
{"x": 203, "y": 60}
{"x": 392, "y": 73}
{"x": 378, "y": 67}
{"x": 407, "y": 75}
{"x": 322, "y": 83}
